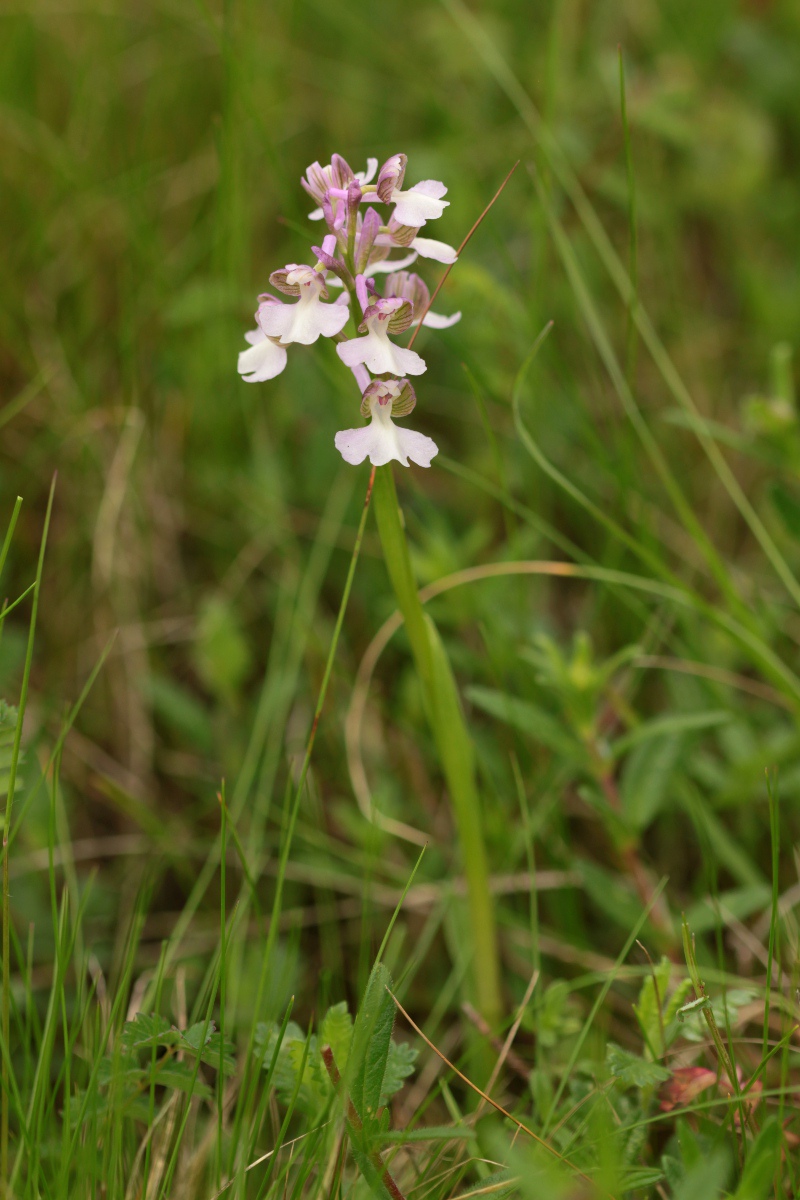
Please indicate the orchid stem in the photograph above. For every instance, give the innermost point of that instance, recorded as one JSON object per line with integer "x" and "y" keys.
{"x": 453, "y": 742}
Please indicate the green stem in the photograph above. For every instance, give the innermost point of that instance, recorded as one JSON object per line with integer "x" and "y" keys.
{"x": 453, "y": 742}
{"x": 11, "y": 787}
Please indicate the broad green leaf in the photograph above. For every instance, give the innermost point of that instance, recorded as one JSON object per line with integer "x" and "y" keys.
{"x": 372, "y": 1036}
{"x": 646, "y": 778}
{"x": 633, "y": 1071}
{"x": 430, "y": 1133}
{"x": 675, "y": 723}
{"x": 763, "y": 1161}
{"x": 181, "y": 1076}
{"x": 528, "y": 718}
{"x": 650, "y": 1006}
{"x": 704, "y": 1180}
{"x": 738, "y": 902}
{"x": 787, "y": 506}
{"x": 221, "y": 650}
{"x": 610, "y": 894}
{"x": 640, "y": 1177}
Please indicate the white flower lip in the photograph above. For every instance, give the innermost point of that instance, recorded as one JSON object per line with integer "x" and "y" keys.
{"x": 375, "y": 350}
{"x": 382, "y": 441}
{"x": 264, "y": 360}
{"x": 306, "y": 320}
{"x": 423, "y": 202}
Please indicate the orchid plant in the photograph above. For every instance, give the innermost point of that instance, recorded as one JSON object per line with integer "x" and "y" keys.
{"x": 357, "y": 249}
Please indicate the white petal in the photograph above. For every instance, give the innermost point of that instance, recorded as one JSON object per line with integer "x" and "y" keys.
{"x": 430, "y": 187}
{"x": 378, "y": 440}
{"x": 351, "y": 352}
{"x": 264, "y": 360}
{"x": 380, "y": 355}
{"x": 430, "y": 248}
{"x": 275, "y": 319}
{"x": 419, "y": 448}
{"x": 407, "y": 362}
{"x": 383, "y": 441}
{"x": 439, "y": 320}
{"x": 354, "y": 444}
{"x": 420, "y": 204}
{"x": 316, "y": 215}
{"x": 304, "y": 321}
{"x": 392, "y": 264}
{"x": 368, "y": 175}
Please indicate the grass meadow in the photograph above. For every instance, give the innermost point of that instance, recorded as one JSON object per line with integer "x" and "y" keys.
{"x": 254, "y": 944}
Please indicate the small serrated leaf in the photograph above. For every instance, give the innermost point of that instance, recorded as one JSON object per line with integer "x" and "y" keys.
{"x": 631, "y": 1070}
{"x": 399, "y": 1065}
{"x": 146, "y": 1030}
{"x": 336, "y": 1031}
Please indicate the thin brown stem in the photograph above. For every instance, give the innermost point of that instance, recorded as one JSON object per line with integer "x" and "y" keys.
{"x": 520, "y": 1126}
{"x": 440, "y": 284}
{"x": 357, "y": 1126}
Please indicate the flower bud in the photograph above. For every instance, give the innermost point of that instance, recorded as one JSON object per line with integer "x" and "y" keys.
{"x": 354, "y": 194}
{"x": 409, "y": 286}
{"x": 365, "y": 240}
{"x": 391, "y": 176}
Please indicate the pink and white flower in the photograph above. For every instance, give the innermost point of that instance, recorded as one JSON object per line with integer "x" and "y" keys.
{"x": 264, "y": 360}
{"x": 306, "y": 320}
{"x": 378, "y": 354}
{"x": 382, "y": 441}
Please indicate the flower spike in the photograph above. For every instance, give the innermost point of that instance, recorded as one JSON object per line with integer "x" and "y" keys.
{"x": 357, "y": 249}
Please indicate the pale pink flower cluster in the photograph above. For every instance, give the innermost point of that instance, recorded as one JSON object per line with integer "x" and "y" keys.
{"x": 358, "y": 248}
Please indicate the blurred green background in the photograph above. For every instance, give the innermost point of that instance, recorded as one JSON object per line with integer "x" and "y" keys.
{"x": 151, "y": 157}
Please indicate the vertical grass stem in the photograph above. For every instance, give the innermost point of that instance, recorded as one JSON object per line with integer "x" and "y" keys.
{"x": 12, "y": 781}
